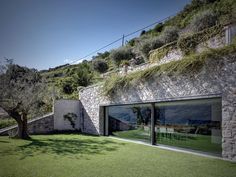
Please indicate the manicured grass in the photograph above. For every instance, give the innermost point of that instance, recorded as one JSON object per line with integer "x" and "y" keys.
{"x": 195, "y": 142}
{"x": 89, "y": 156}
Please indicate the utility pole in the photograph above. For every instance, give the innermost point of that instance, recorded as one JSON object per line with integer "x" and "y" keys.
{"x": 123, "y": 39}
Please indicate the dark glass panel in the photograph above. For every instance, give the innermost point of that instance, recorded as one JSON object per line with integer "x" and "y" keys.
{"x": 130, "y": 121}
{"x": 194, "y": 124}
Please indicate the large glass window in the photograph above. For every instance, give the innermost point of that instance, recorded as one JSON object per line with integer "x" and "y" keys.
{"x": 130, "y": 121}
{"x": 192, "y": 124}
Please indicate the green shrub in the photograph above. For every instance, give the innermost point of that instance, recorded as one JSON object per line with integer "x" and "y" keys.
{"x": 83, "y": 76}
{"x": 142, "y": 32}
{"x": 148, "y": 45}
{"x": 203, "y": 20}
{"x": 132, "y": 42}
{"x": 209, "y": 1}
{"x": 103, "y": 55}
{"x": 181, "y": 18}
{"x": 169, "y": 34}
{"x": 159, "y": 27}
{"x": 122, "y": 53}
{"x": 68, "y": 85}
{"x": 226, "y": 10}
{"x": 100, "y": 66}
{"x": 188, "y": 43}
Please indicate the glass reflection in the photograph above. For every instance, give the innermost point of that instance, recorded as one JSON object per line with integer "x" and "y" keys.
{"x": 131, "y": 122}
{"x": 190, "y": 124}
{"x": 193, "y": 124}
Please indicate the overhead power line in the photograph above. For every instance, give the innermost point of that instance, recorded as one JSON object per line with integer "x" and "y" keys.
{"x": 122, "y": 38}
{"x": 97, "y": 50}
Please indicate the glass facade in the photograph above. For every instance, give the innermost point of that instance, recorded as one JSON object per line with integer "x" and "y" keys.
{"x": 131, "y": 121}
{"x": 193, "y": 124}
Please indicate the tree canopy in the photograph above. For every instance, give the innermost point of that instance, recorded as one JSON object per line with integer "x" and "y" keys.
{"x": 22, "y": 92}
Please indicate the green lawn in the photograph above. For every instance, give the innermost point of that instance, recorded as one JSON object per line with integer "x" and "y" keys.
{"x": 90, "y": 156}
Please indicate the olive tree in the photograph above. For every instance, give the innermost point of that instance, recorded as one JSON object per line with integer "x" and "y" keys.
{"x": 21, "y": 92}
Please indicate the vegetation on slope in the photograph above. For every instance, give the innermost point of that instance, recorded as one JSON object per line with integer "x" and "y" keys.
{"x": 189, "y": 63}
{"x": 182, "y": 30}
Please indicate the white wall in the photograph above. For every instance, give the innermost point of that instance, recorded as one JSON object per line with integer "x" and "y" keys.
{"x": 63, "y": 107}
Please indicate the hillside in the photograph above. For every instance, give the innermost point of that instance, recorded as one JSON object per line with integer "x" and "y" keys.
{"x": 195, "y": 17}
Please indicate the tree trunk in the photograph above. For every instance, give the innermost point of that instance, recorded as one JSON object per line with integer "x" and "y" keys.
{"x": 22, "y": 127}
{"x": 21, "y": 120}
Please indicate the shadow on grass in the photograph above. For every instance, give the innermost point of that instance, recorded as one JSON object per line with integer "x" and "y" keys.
{"x": 70, "y": 147}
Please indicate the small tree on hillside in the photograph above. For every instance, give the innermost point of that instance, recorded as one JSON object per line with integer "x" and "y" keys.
{"x": 83, "y": 74}
{"x": 21, "y": 93}
{"x": 169, "y": 34}
{"x": 122, "y": 53}
{"x": 100, "y": 66}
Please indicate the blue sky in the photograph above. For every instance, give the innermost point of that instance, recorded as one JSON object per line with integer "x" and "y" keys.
{"x": 47, "y": 33}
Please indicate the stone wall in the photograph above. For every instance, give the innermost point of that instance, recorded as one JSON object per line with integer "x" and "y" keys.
{"x": 40, "y": 125}
{"x": 91, "y": 98}
{"x": 216, "y": 78}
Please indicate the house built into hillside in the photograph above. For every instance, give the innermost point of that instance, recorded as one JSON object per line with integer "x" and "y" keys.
{"x": 194, "y": 109}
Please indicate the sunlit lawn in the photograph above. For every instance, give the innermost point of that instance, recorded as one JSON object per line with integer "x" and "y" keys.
{"x": 90, "y": 156}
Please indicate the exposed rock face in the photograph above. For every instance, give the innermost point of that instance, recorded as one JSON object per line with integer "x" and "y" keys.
{"x": 216, "y": 78}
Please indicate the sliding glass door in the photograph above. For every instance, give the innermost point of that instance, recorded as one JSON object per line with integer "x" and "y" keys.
{"x": 194, "y": 124}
